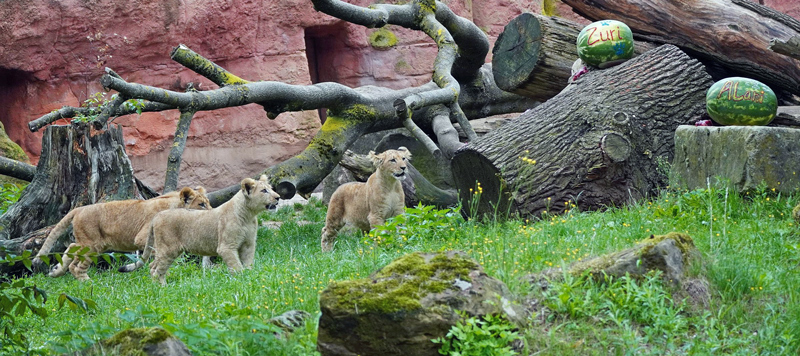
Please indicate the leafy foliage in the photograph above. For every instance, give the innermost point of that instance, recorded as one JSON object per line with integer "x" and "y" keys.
{"x": 17, "y": 298}
{"x": 423, "y": 222}
{"x": 97, "y": 102}
{"x": 9, "y": 194}
{"x": 488, "y": 336}
{"x": 237, "y": 331}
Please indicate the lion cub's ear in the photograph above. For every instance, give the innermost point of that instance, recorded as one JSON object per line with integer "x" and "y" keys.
{"x": 264, "y": 178}
{"x": 200, "y": 190}
{"x": 187, "y": 195}
{"x": 376, "y": 159}
{"x": 405, "y": 152}
{"x": 248, "y": 184}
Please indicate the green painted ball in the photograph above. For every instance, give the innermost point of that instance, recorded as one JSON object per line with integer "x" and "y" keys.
{"x": 741, "y": 101}
{"x": 605, "y": 43}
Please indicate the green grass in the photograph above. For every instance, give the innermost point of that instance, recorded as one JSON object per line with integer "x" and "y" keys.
{"x": 750, "y": 248}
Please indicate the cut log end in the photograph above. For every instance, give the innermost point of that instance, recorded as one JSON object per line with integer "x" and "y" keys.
{"x": 615, "y": 147}
{"x": 516, "y": 52}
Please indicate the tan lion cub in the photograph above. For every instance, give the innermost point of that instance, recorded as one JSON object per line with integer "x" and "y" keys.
{"x": 228, "y": 231}
{"x": 366, "y": 205}
{"x": 114, "y": 225}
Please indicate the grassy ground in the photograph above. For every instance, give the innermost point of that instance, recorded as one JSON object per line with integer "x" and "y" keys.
{"x": 750, "y": 247}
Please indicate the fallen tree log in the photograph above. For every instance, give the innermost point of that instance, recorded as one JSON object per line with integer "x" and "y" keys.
{"x": 598, "y": 143}
{"x": 16, "y": 169}
{"x": 534, "y": 54}
{"x": 733, "y": 33}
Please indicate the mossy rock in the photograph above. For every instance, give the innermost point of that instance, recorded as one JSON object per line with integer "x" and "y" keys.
{"x": 10, "y": 149}
{"x": 139, "y": 342}
{"x": 398, "y": 309}
{"x": 670, "y": 253}
{"x": 744, "y": 156}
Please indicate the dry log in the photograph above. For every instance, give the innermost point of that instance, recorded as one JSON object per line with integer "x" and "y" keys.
{"x": 599, "y": 143}
{"x": 533, "y": 56}
{"x": 16, "y": 169}
{"x": 733, "y": 33}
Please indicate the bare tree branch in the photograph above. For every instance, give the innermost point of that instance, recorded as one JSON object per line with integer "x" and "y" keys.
{"x": 68, "y": 112}
{"x": 16, "y": 169}
{"x": 200, "y": 65}
{"x": 176, "y": 152}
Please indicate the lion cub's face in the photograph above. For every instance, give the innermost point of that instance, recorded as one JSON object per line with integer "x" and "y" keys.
{"x": 259, "y": 193}
{"x": 392, "y": 162}
{"x": 195, "y": 198}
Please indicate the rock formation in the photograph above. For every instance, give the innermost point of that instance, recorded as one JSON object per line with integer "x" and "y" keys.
{"x": 401, "y": 307}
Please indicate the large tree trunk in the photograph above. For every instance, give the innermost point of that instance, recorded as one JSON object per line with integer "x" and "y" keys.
{"x": 598, "y": 143}
{"x": 534, "y": 55}
{"x": 734, "y": 33}
{"x": 78, "y": 166}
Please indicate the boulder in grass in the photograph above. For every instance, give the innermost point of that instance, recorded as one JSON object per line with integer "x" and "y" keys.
{"x": 139, "y": 342}
{"x": 401, "y": 307}
{"x": 670, "y": 254}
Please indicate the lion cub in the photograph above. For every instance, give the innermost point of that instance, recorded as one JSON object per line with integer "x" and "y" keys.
{"x": 228, "y": 231}
{"x": 114, "y": 225}
{"x": 366, "y": 205}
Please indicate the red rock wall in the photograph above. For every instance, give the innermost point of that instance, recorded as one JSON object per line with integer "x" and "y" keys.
{"x": 53, "y": 53}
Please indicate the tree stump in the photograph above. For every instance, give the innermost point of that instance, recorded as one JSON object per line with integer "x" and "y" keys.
{"x": 599, "y": 143}
{"x": 78, "y": 166}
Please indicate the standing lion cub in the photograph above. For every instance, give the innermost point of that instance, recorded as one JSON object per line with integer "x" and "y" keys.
{"x": 228, "y": 231}
{"x": 366, "y": 205}
{"x": 114, "y": 225}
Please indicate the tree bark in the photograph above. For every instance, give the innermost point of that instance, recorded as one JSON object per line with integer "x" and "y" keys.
{"x": 598, "y": 143}
{"x": 533, "y": 57}
{"x": 788, "y": 116}
{"x": 734, "y": 33}
{"x": 790, "y": 47}
{"x": 78, "y": 166}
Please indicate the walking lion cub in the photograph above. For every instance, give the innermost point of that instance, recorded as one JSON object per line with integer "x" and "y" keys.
{"x": 366, "y": 205}
{"x": 119, "y": 225}
{"x": 228, "y": 231}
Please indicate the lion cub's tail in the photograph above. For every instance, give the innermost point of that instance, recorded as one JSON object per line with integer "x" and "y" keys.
{"x": 54, "y": 235}
{"x": 148, "y": 249}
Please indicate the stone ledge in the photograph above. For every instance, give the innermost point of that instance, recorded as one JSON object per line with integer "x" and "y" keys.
{"x": 744, "y": 155}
